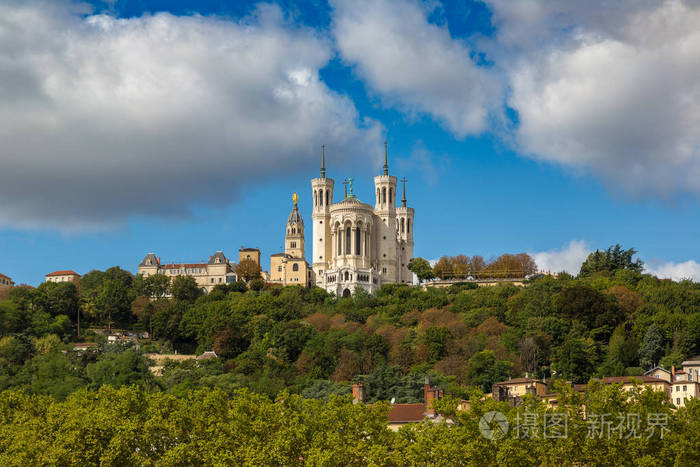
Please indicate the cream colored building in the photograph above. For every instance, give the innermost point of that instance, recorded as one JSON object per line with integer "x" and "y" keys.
{"x": 290, "y": 267}
{"x": 63, "y": 276}
{"x": 356, "y": 245}
{"x": 218, "y": 270}
{"x": 4, "y": 280}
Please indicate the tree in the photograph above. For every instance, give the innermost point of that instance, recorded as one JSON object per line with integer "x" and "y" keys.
{"x": 576, "y": 359}
{"x": 652, "y": 348}
{"x": 248, "y": 270}
{"x": 185, "y": 289}
{"x": 114, "y": 302}
{"x": 156, "y": 285}
{"x": 421, "y": 268}
{"x": 611, "y": 260}
{"x": 484, "y": 370}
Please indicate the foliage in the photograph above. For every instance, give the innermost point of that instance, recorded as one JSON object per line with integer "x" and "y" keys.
{"x": 248, "y": 270}
{"x": 421, "y": 268}
{"x": 611, "y": 260}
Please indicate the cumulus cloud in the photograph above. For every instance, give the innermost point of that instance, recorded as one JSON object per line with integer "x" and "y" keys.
{"x": 567, "y": 259}
{"x": 613, "y": 88}
{"x": 106, "y": 118}
{"x": 676, "y": 271}
{"x": 414, "y": 64}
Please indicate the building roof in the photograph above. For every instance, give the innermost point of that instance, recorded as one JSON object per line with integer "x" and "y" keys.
{"x": 150, "y": 260}
{"x": 183, "y": 265}
{"x": 294, "y": 216}
{"x": 62, "y": 273}
{"x": 218, "y": 258}
{"x": 521, "y": 381}
{"x": 692, "y": 361}
{"x": 248, "y": 249}
{"x": 4, "y": 276}
{"x": 657, "y": 368}
{"x": 406, "y": 413}
{"x": 631, "y": 379}
{"x": 684, "y": 381}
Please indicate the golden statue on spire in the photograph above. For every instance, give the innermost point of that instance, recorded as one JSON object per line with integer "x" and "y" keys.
{"x": 295, "y": 197}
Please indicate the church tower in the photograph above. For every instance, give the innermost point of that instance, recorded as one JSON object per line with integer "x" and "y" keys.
{"x": 294, "y": 239}
{"x": 404, "y": 221}
{"x": 386, "y": 234}
{"x": 322, "y": 189}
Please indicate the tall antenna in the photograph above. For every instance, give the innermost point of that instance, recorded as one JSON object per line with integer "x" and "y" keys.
{"x": 323, "y": 161}
{"x": 386, "y": 159}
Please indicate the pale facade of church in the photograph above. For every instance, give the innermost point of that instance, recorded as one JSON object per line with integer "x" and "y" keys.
{"x": 356, "y": 245}
{"x": 290, "y": 267}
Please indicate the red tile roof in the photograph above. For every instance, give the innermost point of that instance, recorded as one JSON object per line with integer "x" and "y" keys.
{"x": 183, "y": 265}
{"x": 4, "y": 276}
{"x": 63, "y": 273}
{"x": 406, "y": 413}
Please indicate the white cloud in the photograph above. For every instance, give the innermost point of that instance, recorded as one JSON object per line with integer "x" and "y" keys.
{"x": 105, "y": 118}
{"x": 414, "y": 64}
{"x": 676, "y": 271}
{"x": 567, "y": 259}
{"x": 610, "y": 88}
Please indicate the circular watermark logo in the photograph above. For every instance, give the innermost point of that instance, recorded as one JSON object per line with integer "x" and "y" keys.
{"x": 493, "y": 425}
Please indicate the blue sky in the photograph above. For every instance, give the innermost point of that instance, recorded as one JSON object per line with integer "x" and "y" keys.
{"x": 184, "y": 127}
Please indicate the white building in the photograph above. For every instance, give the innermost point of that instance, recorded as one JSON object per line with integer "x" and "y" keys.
{"x": 218, "y": 270}
{"x": 356, "y": 245}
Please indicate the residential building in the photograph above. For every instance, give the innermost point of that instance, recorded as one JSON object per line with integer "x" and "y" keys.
{"x": 63, "y": 276}
{"x": 4, "y": 280}
{"x": 513, "y": 390}
{"x": 218, "y": 270}
{"x": 659, "y": 372}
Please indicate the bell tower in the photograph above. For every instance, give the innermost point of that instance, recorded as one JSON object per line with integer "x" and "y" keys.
{"x": 404, "y": 222}
{"x": 294, "y": 238}
{"x": 322, "y": 189}
{"x": 385, "y": 209}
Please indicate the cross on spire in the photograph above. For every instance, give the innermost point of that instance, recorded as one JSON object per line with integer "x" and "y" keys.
{"x": 403, "y": 200}
{"x": 386, "y": 158}
{"x": 323, "y": 161}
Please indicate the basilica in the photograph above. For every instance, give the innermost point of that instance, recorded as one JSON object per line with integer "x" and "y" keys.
{"x": 356, "y": 245}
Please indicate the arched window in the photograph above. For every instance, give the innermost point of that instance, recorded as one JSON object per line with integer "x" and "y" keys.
{"x": 294, "y": 230}
{"x": 402, "y": 225}
{"x": 328, "y": 202}
{"x": 391, "y": 195}
{"x": 339, "y": 241}
{"x": 320, "y": 197}
{"x": 347, "y": 275}
{"x": 315, "y": 198}
{"x": 357, "y": 241}
{"x": 348, "y": 241}
{"x": 383, "y": 195}
{"x": 408, "y": 225}
{"x": 379, "y": 200}
{"x": 295, "y": 267}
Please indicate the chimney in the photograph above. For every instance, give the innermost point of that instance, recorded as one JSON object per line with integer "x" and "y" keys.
{"x": 428, "y": 397}
{"x": 358, "y": 392}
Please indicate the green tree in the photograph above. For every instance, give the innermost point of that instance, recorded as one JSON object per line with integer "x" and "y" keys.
{"x": 156, "y": 285}
{"x": 576, "y": 359}
{"x": 484, "y": 370}
{"x": 611, "y": 260}
{"x": 185, "y": 289}
{"x": 652, "y": 348}
{"x": 421, "y": 268}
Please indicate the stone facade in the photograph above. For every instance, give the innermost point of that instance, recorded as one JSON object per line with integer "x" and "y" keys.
{"x": 218, "y": 270}
{"x": 356, "y": 245}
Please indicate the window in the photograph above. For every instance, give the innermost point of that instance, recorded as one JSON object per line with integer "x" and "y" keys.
{"x": 293, "y": 244}
{"x": 321, "y": 198}
{"x": 408, "y": 225}
{"x": 295, "y": 267}
{"x": 212, "y": 280}
{"x": 327, "y": 198}
{"x": 220, "y": 280}
{"x": 384, "y": 269}
{"x": 678, "y": 401}
{"x": 391, "y": 195}
{"x": 678, "y": 388}
{"x": 347, "y": 241}
{"x": 685, "y": 388}
{"x": 279, "y": 268}
{"x": 315, "y": 198}
{"x": 402, "y": 225}
{"x": 357, "y": 241}
{"x": 383, "y": 195}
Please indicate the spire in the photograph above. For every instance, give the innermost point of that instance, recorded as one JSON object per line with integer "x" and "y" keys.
{"x": 345, "y": 182}
{"x": 323, "y": 161}
{"x": 386, "y": 159}
{"x": 403, "y": 200}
